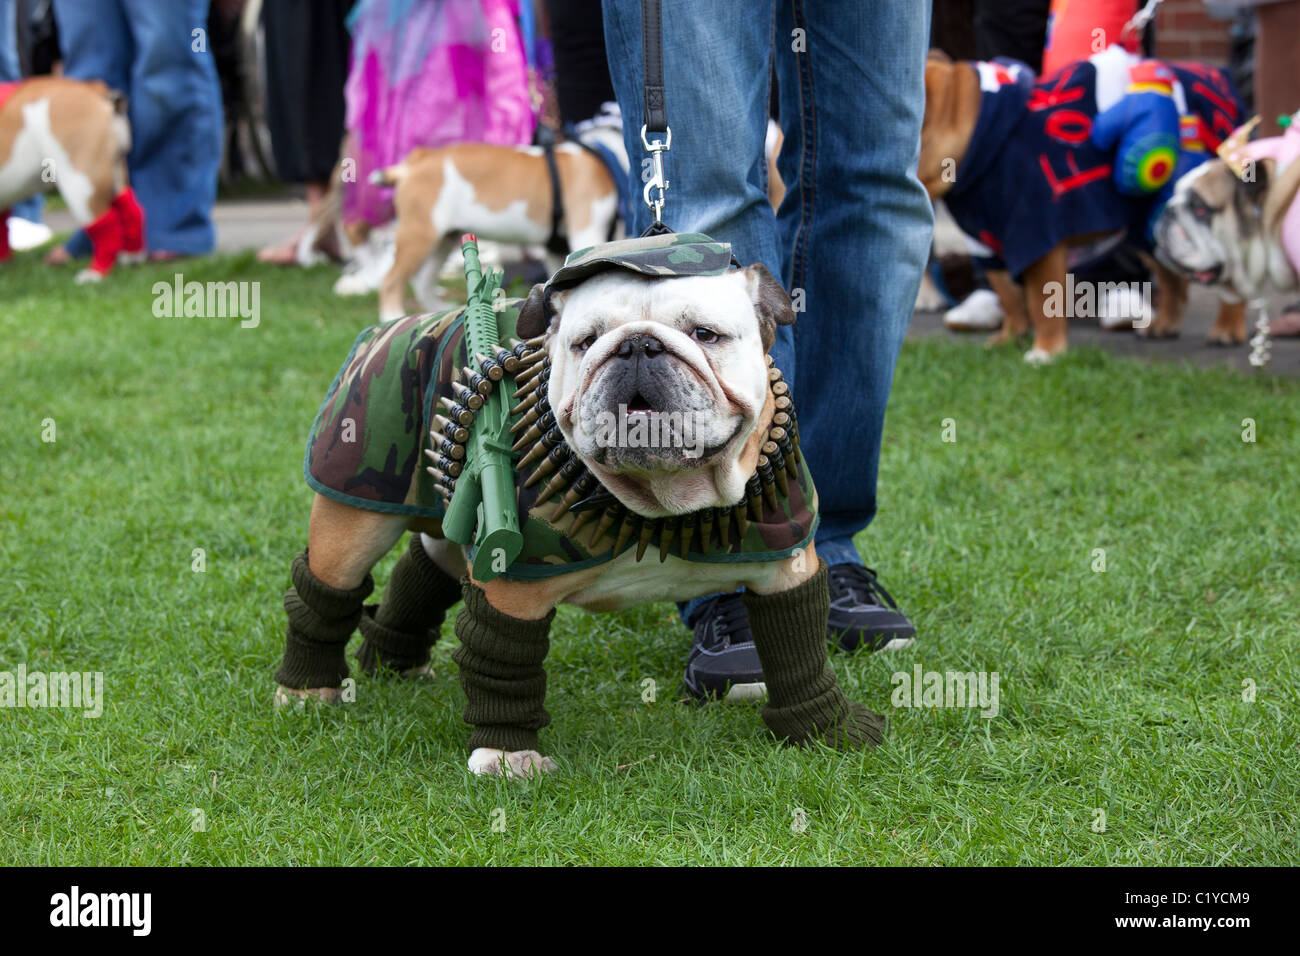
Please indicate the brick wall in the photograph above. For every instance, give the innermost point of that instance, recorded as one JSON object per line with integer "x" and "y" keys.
{"x": 1185, "y": 31}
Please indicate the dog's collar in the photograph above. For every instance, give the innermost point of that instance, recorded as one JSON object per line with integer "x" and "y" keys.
{"x": 575, "y": 490}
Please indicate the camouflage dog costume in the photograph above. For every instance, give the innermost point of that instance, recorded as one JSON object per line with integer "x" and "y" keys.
{"x": 408, "y": 393}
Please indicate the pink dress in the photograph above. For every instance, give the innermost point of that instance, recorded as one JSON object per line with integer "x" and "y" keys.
{"x": 430, "y": 73}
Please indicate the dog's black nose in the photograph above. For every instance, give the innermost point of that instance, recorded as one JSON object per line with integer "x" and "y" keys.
{"x": 637, "y": 345}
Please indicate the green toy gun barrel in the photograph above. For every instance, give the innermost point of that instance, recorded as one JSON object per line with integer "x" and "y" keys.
{"x": 485, "y": 491}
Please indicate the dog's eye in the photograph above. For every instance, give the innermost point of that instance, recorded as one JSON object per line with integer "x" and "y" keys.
{"x": 707, "y": 336}
{"x": 1199, "y": 208}
{"x": 585, "y": 344}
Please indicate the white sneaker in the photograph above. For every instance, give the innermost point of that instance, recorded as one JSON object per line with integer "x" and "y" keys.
{"x": 25, "y": 234}
{"x": 1122, "y": 308}
{"x": 980, "y": 312}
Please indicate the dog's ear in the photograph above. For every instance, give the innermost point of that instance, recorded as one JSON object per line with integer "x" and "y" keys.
{"x": 771, "y": 302}
{"x": 532, "y": 315}
{"x": 1256, "y": 187}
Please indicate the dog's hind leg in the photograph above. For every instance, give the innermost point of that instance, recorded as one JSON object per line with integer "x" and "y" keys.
{"x": 1012, "y": 298}
{"x": 415, "y": 242}
{"x": 331, "y": 580}
{"x": 400, "y": 630}
{"x": 425, "y": 281}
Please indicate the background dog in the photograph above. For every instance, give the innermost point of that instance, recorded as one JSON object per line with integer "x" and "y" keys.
{"x": 1016, "y": 163}
{"x": 73, "y": 136}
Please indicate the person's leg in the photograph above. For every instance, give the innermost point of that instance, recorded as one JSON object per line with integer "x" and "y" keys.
{"x": 856, "y": 227}
{"x": 95, "y": 43}
{"x": 717, "y": 56}
{"x": 176, "y": 123}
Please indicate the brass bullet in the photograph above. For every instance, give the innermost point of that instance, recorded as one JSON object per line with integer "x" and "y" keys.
{"x": 563, "y": 478}
{"x": 554, "y": 460}
{"x": 754, "y": 498}
{"x": 767, "y": 482}
{"x": 649, "y": 529}
{"x": 466, "y": 396}
{"x": 773, "y": 452}
{"x": 480, "y": 383}
{"x": 742, "y": 523}
{"x": 540, "y": 426}
{"x": 724, "y": 527}
{"x": 706, "y": 530}
{"x": 491, "y": 368}
{"x": 506, "y": 359}
{"x": 608, "y": 523}
{"x": 533, "y": 398}
{"x": 539, "y": 451}
{"x": 457, "y": 413}
{"x": 687, "y": 524}
{"x": 457, "y": 433}
{"x": 581, "y": 487}
{"x": 667, "y": 528}
{"x": 630, "y": 525}
{"x": 451, "y": 449}
{"x": 780, "y": 389}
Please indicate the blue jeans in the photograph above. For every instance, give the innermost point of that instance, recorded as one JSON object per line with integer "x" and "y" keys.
{"x": 853, "y": 232}
{"x": 11, "y": 70}
{"x": 145, "y": 48}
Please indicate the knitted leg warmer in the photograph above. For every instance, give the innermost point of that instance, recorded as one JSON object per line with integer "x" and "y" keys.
{"x": 500, "y": 661}
{"x": 407, "y": 622}
{"x": 804, "y": 698}
{"x": 321, "y": 619}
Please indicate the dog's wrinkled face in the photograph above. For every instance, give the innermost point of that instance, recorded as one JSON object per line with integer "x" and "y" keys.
{"x": 660, "y": 385}
{"x": 1212, "y": 229}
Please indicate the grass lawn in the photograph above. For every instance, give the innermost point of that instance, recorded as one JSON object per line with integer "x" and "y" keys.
{"x": 1120, "y": 692}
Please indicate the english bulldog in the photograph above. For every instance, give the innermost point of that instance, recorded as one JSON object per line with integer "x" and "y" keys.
{"x": 664, "y": 338}
{"x": 1234, "y": 223}
{"x": 73, "y": 136}
{"x": 566, "y": 199}
{"x": 1011, "y": 155}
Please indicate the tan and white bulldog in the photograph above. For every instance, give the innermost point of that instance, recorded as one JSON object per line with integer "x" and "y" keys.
{"x": 953, "y": 97}
{"x": 1224, "y": 231}
{"x": 500, "y": 193}
{"x": 621, "y": 348}
{"x": 73, "y": 136}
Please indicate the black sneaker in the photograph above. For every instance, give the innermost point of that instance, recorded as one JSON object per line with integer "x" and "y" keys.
{"x": 724, "y": 662}
{"x": 863, "y": 613}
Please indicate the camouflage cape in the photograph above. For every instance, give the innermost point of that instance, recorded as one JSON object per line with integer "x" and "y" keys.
{"x": 366, "y": 447}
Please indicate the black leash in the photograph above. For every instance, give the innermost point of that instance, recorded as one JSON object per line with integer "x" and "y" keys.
{"x": 656, "y": 112}
{"x": 556, "y": 243}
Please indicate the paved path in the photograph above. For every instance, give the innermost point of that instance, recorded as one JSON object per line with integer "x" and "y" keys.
{"x": 250, "y": 224}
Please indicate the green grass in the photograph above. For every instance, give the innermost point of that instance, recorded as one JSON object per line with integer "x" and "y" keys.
{"x": 1119, "y": 690}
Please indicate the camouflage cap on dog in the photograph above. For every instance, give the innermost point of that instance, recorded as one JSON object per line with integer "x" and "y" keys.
{"x": 662, "y": 256}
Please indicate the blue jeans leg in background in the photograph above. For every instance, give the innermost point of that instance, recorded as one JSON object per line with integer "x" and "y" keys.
{"x": 10, "y": 70}
{"x": 853, "y": 232}
{"x": 147, "y": 49}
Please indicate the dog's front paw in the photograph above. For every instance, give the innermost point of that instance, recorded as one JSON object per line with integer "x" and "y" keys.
{"x": 291, "y": 697}
{"x": 86, "y": 276}
{"x": 1225, "y": 337}
{"x": 511, "y": 764}
{"x": 1037, "y": 356}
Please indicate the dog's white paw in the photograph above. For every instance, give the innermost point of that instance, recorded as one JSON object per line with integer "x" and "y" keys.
{"x": 351, "y": 283}
{"x": 1038, "y": 357}
{"x": 512, "y": 764}
{"x": 297, "y": 699}
{"x": 86, "y": 276}
{"x": 385, "y": 315}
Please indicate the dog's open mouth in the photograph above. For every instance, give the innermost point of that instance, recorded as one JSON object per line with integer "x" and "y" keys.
{"x": 638, "y": 404}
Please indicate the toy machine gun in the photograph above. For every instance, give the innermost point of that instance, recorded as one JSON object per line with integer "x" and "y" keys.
{"x": 478, "y": 478}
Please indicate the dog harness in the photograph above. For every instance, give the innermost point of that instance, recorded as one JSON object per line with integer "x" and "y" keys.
{"x": 1032, "y": 177}
{"x": 407, "y": 394}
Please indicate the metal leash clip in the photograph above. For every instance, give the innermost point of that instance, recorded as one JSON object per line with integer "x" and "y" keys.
{"x": 656, "y": 150}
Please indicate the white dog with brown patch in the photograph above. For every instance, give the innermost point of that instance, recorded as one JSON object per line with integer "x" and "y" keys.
{"x": 501, "y": 193}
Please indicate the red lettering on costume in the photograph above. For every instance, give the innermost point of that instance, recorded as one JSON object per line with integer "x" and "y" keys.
{"x": 1076, "y": 180}
{"x": 1068, "y": 126}
{"x": 1042, "y": 98}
